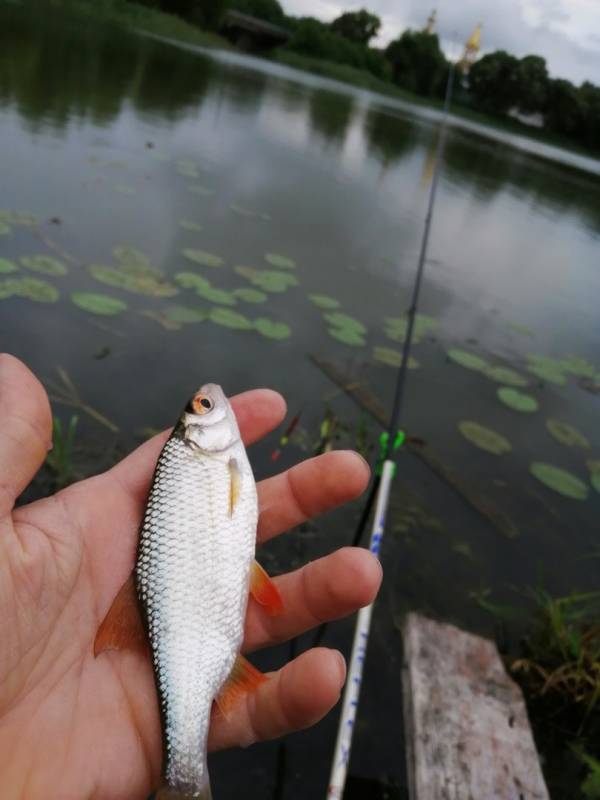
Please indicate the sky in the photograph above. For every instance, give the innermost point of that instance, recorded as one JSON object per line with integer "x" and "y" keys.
{"x": 565, "y": 32}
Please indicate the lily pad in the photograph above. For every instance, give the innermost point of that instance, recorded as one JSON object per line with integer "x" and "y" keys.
{"x": 203, "y": 191}
{"x": 183, "y": 315}
{"x": 561, "y": 481}
{"x": 279, "y": 261}
{"x": 347, "y": 336}
{"x": 522, "y": 330}
{"x": 345, "y": 322}
{"x": 122, "y": 188}
{"x": 246, "y": 272}
{"x": 46, "y": 265}
{"x": 468, "y": 360}
{"x": 548, "y": 372}
{"x": 214, "y": 295}
{"x": 505, "y": 375}
{"x": 186, "y": 167}
{"x": 250, "y": 295}
{"x": 162, "y": 319}
{"x": 129, "y": 256}
{"x": 17, "y": 217}
{"x": 229, "y": 319}
{"x": 243, "y": 211}
{"x": 484, "y": 438}
{"x": 98, "y": 303}
{"x": 4, "y": 228}
{"x": 271, "y": 281}
{"x": 143, "y": 282}
{"x": 595, "y": 481}
{"x": 566, "y": 434}
{"x": 593, "y": 464}
{"x": 272, "y": 329}
{"x": 29, "y": 288}
{"x": 324, "y": 301}
{"x": 396, "y": 327}
{"x": 578, "y": 366}
{"x": 518, "y": 401}
{"x": 190, "y": 225}
{"x": 7, "y": 266}
{"x": 392, "y": 358}
{"x": 203, "y": 258}
{"x": 191, "y": 280}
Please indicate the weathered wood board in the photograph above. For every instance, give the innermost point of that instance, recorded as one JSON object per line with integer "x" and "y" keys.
{"x": 467, "y": 732}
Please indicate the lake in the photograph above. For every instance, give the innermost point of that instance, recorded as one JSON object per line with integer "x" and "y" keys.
{"x": 172, "y": 217}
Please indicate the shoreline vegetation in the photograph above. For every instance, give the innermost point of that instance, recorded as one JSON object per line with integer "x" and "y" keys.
{"x": 160, "y": 23}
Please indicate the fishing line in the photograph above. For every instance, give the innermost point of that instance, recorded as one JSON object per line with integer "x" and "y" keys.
{"x": 385, "y": 468}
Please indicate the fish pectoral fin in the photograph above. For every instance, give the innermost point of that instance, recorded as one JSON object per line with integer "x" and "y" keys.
{"x": 244, "y": 679}
{"x": 122, "y": 627}
{"x": 235, "y": 485}
{"x": 264, "y": 590}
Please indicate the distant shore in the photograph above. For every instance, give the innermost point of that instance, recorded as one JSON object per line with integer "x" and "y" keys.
{"x": 150, "y": 20}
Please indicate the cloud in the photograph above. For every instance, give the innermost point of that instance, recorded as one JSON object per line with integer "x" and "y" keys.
{"x": 565, "y": 32}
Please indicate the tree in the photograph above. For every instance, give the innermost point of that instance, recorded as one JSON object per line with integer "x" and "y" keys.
{"x": 269, "y": 10}
{"x": 358, "y": 26}
{"x": 590, "y": 132}
{"x": 532, "y": 80}
{"x": 418, "y": 63}
{"x": 565, "y": 109}
{"x": 493, "y": 82}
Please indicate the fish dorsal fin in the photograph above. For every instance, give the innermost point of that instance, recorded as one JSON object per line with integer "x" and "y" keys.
{"x": 122, "y": 627}
{"x": 264, "y": 590}
{"x": 235, "y": 485}
{"x": 244, "y": 679}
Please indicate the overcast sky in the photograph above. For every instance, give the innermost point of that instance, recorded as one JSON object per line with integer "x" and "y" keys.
{"x": 565, "y": 32}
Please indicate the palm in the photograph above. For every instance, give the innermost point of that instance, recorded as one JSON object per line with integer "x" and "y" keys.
{"x": 74, "y": 726}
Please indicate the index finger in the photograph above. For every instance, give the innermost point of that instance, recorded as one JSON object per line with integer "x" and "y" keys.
{"x": 257, "y": 411}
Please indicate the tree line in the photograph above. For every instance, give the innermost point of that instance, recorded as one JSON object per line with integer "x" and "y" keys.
{"x": 497, "y": 82}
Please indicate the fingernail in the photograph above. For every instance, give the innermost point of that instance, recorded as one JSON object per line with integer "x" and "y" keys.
{"x": 341, "y": 666}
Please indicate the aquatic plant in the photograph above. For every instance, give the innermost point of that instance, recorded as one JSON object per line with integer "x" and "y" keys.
{"x": 523, "y": 330}
{"x": 324, "y": 301}
{"x": 229, "y": 319}
{"x": 183, "y": 315}
{"x": 98, "y": 303}
{"x": 393, "y": 358}
{"x": 347, "y": 336}
{"x": 46, "y": 265}
{"x": 7, "y": 266}
{"x": 215, "y": 295}
{"x": 190, "y": 225}
{"x": 578, "y": 366}
{"x": 133, "y": 274}
{"x": 250, "y": 295}
{"x": 59, "y": 460}
{"x": 518, "y": 401}
{"x": 203, "y": 191}
{"x": 396, "y": 327}
{"x": 505, "y": 375}
{"x": 484, "y": 438}
{"x": 191, "y": 280}
{"x": 267, "y": 280}
{"x": 4, "y": 228}
{"x": 280, "y": 262}
{"x": 123, "y": 188}
{"x": 345, "y": 322}
{"x": 17, "y": 217}
{"x": 29, "y": 288}
{"x": 272, "y": 329}
{"x": 202, "y": 257}
{"x": 548, "y": 372}
{"x": 467, "y": 360}
{"x": 559, "y": 480}
{"x": 566, "y": 434}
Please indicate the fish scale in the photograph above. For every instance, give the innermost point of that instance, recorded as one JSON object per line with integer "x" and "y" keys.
{"x": 192, "y": 576}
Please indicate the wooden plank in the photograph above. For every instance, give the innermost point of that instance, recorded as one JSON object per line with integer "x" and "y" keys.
{"x": 467, "y": 731}
{"x": 367, "y": 400}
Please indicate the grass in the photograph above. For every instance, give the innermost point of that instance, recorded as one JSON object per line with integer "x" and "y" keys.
{"x": 558, "y": 668}
{"x": 60, "y": 459}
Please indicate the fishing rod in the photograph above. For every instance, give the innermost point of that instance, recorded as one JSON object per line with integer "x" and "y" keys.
{"x": 385, "y": 470}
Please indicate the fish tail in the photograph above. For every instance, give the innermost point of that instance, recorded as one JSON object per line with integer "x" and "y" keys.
{"x": 167, "y": 793}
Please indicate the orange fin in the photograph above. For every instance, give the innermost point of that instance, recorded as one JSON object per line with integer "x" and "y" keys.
{"x": 122, "y": 627}
{"x": 235, "y": 485}
{"x": 244, "y": 679}
{"x": 264, "y": 591}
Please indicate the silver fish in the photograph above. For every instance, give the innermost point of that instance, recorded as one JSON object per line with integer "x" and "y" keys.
{"x": 192, "y": 575}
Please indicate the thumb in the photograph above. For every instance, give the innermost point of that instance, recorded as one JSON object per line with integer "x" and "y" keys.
{"x": 25, "y": 428}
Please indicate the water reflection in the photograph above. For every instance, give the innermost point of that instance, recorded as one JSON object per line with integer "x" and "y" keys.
{"x": 330, "y": 115}
{"x": 389, "y": 137}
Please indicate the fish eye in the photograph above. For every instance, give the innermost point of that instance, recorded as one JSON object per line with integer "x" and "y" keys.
{"x": 202, "y": 404}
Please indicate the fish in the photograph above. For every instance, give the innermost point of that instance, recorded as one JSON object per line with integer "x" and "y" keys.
{"x": 194, "y": 571}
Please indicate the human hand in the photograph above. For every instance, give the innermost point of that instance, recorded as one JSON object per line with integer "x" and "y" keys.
{"x": 73, "y": 726}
